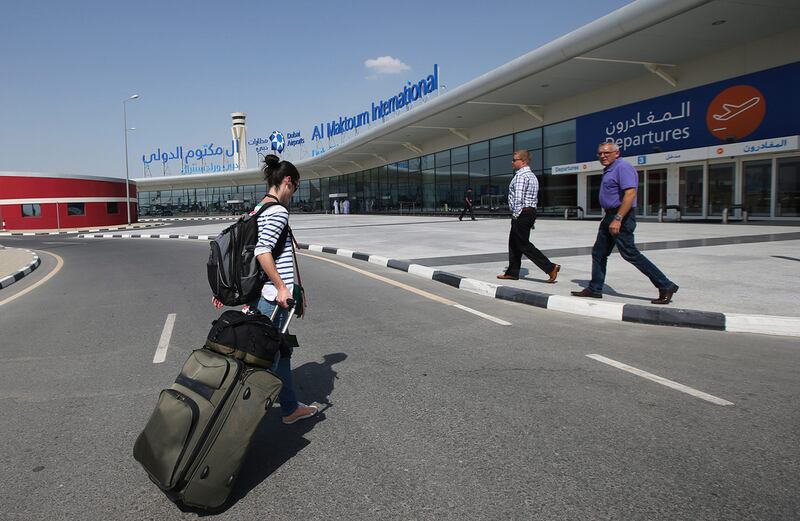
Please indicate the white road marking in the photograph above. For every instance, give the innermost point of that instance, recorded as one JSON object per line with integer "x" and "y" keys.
{"x": 163, "y": 343}
{"x": 483, "y": 315}
{"x": 59, "y": 265}
{"x": 412, "y": 289}
{"x": 661, "y": 380}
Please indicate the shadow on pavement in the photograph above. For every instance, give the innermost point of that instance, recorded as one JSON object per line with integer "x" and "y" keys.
{"x": 275, "y": 443}
{"x": 609, "y": 290}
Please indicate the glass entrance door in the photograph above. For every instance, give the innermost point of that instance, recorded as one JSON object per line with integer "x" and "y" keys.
{"x": 651, "y": 194}
{"x": 757, "y": 184}
{"x": 593, "y": 186}
{"x": 640, "y": 193}
{"x": 720, "y": 187}
{"x": 788, "y": 187}
{"x": 656, "y": 190}
{"x": 690, "y": 189}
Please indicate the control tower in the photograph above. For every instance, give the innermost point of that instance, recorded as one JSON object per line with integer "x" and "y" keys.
{"x": 239, "y": 131}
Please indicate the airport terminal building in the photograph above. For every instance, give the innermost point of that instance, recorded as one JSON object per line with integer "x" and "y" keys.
{"x": 700, "y": 96}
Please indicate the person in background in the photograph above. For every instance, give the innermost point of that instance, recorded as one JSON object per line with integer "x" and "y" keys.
{"x": 467, "y": 205}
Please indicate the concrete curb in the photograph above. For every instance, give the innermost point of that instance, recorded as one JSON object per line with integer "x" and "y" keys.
{"x": 17, "y": 234}
{"x": 24, "y": 271}
{"x": 143, "y": 236}
{"x": 661, "y": 316}
{"x": 171, "y": 219}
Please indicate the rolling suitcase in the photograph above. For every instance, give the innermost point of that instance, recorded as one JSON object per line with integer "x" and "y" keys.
{"x": 196, "y": 438}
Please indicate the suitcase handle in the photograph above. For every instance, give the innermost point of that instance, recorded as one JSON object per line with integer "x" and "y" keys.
{"x": 292, "y": 305}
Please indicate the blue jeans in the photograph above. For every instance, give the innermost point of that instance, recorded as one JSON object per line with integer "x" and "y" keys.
{"x": 604, "y": 245}
{"x": 282, "y": 367}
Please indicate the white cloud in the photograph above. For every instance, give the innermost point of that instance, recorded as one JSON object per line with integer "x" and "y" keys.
{"x": 385, "y": 65}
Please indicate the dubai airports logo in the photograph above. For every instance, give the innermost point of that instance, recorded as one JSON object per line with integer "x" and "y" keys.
{"x": 277, "y": 142}
{"x": 736, "y": 112}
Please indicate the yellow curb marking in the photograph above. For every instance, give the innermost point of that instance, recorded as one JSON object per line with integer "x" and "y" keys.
{"x": 59, "y": 265}
{"x": 412, "y": 289}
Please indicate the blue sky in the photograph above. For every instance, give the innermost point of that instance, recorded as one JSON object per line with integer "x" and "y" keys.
{"x": 67, "y": 67}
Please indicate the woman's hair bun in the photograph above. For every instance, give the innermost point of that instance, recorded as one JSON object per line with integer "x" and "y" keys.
{"x": 271, "y": 161}
{"x": 275, "y": 170}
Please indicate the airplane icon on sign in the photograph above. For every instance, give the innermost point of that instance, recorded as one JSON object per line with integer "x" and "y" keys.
{"x": 731, "y": 111}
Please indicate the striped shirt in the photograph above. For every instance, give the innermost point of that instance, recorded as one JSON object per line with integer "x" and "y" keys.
{"x": 523, "y": 191}
{"x": 270, "y": 226}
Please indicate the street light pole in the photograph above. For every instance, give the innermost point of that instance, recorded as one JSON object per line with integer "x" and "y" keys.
{"x": 127, "y": 178}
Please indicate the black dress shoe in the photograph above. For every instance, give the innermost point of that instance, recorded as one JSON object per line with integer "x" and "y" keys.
{"x": 665, "y": 295}
{"x": 586, "y": 292}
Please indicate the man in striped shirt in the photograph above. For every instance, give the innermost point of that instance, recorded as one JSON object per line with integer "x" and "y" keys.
{"x": 522, "y": 194}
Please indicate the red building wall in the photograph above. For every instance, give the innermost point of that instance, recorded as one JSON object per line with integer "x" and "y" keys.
{"x": 43, "y": 189}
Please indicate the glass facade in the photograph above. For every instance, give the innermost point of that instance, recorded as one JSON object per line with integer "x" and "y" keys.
{"x": 720, "y": 187}
{"x": 436, "y": 183}
{"x": 212, "y": 200}
{"x": 429, "y": 183}
{"x": 788, "y": 187}
{"x": 656, "y": 190}
{"x": 691, "y": 190}
{"x": 757, "y": 185}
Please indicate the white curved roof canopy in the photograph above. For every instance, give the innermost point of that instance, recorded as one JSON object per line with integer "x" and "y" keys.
{"x": 644, "y": 37}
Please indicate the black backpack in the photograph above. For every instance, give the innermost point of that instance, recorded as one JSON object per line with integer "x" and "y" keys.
{"x": 234, "y": 273}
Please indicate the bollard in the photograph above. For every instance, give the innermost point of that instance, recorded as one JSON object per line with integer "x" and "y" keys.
{"x": 724, "y": 216}
{"x": 566, "y": 214}
{"x": 661, "y": 215}
{"x": 744, "y": 216}
{"x": 679, "y": 215}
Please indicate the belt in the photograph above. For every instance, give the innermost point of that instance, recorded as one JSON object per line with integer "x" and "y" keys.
{"x": 528, "y": 209}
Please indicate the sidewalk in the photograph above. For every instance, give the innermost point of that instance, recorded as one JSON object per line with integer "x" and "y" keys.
{"x": 732, "y": 269}
{"x": 16, "y": 264}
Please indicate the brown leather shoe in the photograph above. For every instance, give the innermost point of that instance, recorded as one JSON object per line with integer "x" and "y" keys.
{"x": 505, "y": 276}
{"x": 665, "y": 295}
{"x": 586, "y": 292}
{"x": 554, "y": 273}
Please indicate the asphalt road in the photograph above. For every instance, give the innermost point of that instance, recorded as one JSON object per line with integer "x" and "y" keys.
{"x": 432, "y": 412}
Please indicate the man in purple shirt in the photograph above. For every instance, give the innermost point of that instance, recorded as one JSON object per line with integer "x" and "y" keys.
{"x": 618, "y": 199}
